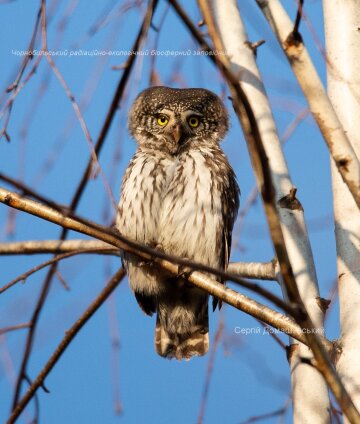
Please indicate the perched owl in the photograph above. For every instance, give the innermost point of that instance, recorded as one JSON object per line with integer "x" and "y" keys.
{"x": 179, "y": 194}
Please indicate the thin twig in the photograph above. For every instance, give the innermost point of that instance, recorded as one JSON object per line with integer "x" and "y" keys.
{"x": 251, "y": 199}
{"x": 69, "y": 336}
{"x": 115, "y": 101}
{"x": 276, "y": 413}
{"x": 174, "y": 265}
{"x": 15, "y": 87}
{"x": 85, "y": 100}
{"x": 27, "y": 57}
{"x": 79, "y": 191}
{"x": 210, "y": 368}
{"x": 14, "y": 327}
{"x": 75, "y": 106}
{"x": 102, "y": 21}
{"x": 153, "y": 80}
{"x": 254, "y": 270}
{"x": 28, "y": 191}
{"x": 37, "y": 403}
{"x": 115, "y": 345}
{"x": 62, "y": 280}
{"x": 299, "y": 13}
{"x": 148, "y": 253}
{"x": 322, "y": 109}
{"x": 272, "y": 334}
{"x": 260, "y": 164}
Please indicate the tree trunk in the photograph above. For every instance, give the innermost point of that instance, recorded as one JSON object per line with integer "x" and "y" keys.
{"x": 342, "y": 31}
{"x": 310, "y": 395}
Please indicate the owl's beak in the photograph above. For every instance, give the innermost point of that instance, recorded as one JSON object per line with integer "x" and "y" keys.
{"x": 176, "y": 133}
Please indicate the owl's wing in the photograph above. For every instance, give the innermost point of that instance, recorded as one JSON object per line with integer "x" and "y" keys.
{"x": 146, "y": 303}
{"x": 230, "y": 207}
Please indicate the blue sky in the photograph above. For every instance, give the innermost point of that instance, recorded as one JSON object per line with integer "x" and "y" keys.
{"x": 250, "y": 375}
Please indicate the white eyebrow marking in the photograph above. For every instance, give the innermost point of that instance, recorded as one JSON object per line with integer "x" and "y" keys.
{"x": 191, "y": 112}
{"x": 166, "y": 111}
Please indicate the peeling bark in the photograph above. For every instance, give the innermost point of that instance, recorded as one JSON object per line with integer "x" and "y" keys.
{"x": 310, "y": 394}
{"x": 342, "y": 22}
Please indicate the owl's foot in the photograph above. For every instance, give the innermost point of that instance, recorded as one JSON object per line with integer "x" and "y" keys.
{"x": 148, "y": 263}
{"x": 159, "y": 247}
{"x": 143, "y": 263}
{"x": 184, "y": 272}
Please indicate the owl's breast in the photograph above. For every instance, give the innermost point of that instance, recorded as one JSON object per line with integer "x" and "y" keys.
{"x": 191, "y": 222}
{"x": 144, "y": 183}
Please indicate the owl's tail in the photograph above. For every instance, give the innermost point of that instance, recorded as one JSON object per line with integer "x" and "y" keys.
{"x": 181, "y": 346}
{"x": 182, "y": 324}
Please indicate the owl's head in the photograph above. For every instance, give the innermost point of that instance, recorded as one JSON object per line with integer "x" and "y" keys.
{"x": 172, "y": 118}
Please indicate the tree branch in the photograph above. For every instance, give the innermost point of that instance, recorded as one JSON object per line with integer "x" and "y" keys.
{"x": 173, "y": 264}
{"x": 211, "y": 286}
{"x": 80, "y": 189}
{"x": 324, "y": 114}
{"x": 298, "y": 18}
{"x": 260, "y": 164}
{"x": 28, "y": 191}
{"x": 69, "y": 248}
{"x": 34, "y": 247}
{"x": 342, "y": 46}
{"x": 37, "y": 268}
{"x": 14, "y": 327}
{"x": 232, "y": 32}
{"x": 255, "y": 270}
{"x": 69, "y": 336}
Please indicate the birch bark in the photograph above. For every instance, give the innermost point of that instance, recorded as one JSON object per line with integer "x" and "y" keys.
{"x": 323, "y": 112}
{"x": 310, "y": 396}
{"x": 342, "y": 31}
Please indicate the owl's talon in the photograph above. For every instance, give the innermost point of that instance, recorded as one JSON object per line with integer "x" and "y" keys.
{"x": 184, "y": 272}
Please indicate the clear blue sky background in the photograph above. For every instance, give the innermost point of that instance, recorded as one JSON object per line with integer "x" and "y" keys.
{"x": 250, "y": 375}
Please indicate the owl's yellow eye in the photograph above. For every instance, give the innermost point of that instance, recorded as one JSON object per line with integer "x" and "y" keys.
{"x": 193, "y": 121}
{"x": 162, "y": 120}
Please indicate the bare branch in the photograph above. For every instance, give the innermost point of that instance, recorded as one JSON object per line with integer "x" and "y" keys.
{"x": 277, "y": 413}
{"x": 75, "y": 106}
{"x": 272, "y": 334}
{"x": 298, "y": 18}
{"x": 27, "y": 57}
{"x": 35, "y": 247}
{"x": 233, "y": 298}
{"x": 116, "y": 100}
{"x": 255, "y": 270}
{"x": 261, "y": 167}
{"x": 342, "y": 44}
{"x": 168, "y": 262}
{"x": 232, "y": 32}
{"x": 324, "y": 114}
{"x": 14, "y": 327}
{"x": 28, "y": 191}
{"x": 80, "y": 189}
{"x": 209, "y": 372}
{"x": 15, "y": 85}
{"x": 51, "y": 261}
{"x": 69, "y": 336}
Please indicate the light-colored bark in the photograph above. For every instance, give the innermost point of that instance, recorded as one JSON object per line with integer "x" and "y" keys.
{"x": 256, "y": 270}
{"x": 311, "y": 402}
{"x": 336, "y": 138}
{"x": 227, "y": 295}
{"x": 342, "y": 23}
{"x": 34, "y": 247}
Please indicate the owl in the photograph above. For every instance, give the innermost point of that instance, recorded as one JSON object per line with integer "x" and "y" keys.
{"x": 179, "y": 194}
